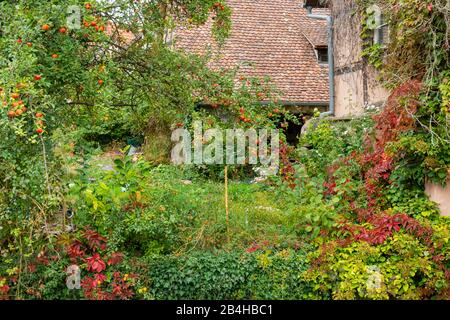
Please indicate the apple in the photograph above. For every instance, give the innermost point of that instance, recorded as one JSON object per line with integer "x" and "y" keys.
{"x": 39, "y": 130}
{"x": 37, "y": 77}
{"x": 11, "y": 114}
{"x": 45, "y": 27}
{"x": 55, "y": 56}
{"x": 39, "y": 115}
{"x": 62, "y": 30}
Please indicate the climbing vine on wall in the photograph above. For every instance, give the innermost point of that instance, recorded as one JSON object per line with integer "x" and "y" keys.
{"x": 378, "y": 190}
{"x": 417, "y": 48}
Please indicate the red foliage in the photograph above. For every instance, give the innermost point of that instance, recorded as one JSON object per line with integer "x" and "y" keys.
{"x": 395, "y": 118}
{"x": 330, "y": 187}
{"x": 4, "y": 289}
{"x": 286, "y": 169}
{"x": 75, "y": 250}
{"x": 88, "y": 284}
{"x": 121, "y": 288}
{"x": 42, "y": 258}
{"x": 95, "y": 263}
{"x": 115, "y": 258}
{"x": 373, "y": 224}
{"x": 384, "y": 225}
{"x": 97, "y": 286}
{"x": 95, "y": 240}
{"x": 253, "y": 248}
{"x": 258, "y": 246}
{"x": 377, "y": 166}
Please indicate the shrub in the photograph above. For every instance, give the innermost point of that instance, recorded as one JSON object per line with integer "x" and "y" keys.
{"x": 229, "y": 275}
{"x": 400, "y": 268}
{"x": 103, "y": 275}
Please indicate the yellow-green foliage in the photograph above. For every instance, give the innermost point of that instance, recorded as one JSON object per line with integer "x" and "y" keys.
{"x": 401, "y": 268}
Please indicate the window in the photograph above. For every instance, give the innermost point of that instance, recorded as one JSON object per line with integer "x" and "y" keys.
{"x": 168, "y": 37}
{"x": 316, "y": 3}
{"x": 379, "y": 26}
{"x": 381, "y": 34}
{"x": 322, "y": 55}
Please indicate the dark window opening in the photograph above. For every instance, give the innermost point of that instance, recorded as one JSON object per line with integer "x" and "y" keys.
{"x": 322, "y": 55}
{"x": 383, "y": 35}
{"x": 317, "y": 3}
{"x": 293, "y": 130}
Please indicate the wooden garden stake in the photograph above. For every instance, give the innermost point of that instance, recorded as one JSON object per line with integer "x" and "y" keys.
{"x": 226, "y": 204}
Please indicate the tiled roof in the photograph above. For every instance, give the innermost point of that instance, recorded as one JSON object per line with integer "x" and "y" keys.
{"x": 269, "y": 38}
{"x": 316, "y": 33}
{"x": 121, "y": 37}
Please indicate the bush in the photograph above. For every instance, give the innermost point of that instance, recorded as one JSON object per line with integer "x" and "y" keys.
{"x": 400, "y": 268}
{"x": 325, "y": 142}
{"x": 229, "y": 275}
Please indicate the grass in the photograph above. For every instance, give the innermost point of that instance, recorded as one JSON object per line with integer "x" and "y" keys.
{"x": 256, "y": 213}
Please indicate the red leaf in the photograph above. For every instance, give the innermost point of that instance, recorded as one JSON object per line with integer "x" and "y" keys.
{"x": 116, "y": 258}
{"x": 95, "y": 240}
{"x": 95, "y": 263}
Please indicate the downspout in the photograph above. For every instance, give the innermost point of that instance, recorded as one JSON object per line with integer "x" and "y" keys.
{"x": 329, "y": 20}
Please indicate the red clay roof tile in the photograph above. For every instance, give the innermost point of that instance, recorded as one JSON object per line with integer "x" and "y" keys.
{"x": 271, "y": 35}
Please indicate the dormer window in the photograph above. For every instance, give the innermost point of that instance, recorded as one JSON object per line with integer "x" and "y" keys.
{"x": 316, "y": 3}
{"x": 322, "y": 55}
{"x": 168, "y": 37}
